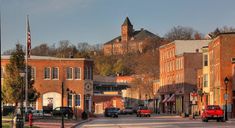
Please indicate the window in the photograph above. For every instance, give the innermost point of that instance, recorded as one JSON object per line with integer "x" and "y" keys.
{"x": 70, "y": 98}
{"x": 46, "y": 73}
{"x": 86, "y": 72}
{"x": 77, "y": 73}
{"x": 77, "y": 100}
{"x": 55, "y": 73}
{"x": 33, "y": 73}
{"x": 205, "y": 60}
{"x": 69, "y": 73}
{"x": 205, "y": 80}
{"x": 91, "y": 74}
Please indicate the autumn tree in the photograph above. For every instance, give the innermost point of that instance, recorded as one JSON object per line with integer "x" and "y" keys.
{"x": 14, "y": 84}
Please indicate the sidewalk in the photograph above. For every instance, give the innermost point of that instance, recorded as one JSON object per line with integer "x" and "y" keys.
{"x": 56, "y": 123}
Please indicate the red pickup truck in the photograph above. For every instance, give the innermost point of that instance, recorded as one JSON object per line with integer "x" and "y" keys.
{"x": 143, "y": 111}
{"x": 213, "y": 112}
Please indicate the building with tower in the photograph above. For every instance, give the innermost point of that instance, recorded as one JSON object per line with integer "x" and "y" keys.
{"x": 130, "y": 40}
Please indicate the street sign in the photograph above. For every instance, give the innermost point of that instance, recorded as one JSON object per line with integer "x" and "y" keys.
{"x": 193, "y": 96}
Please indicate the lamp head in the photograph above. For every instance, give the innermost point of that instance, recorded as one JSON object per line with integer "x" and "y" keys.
{"x": 226, "y": 80}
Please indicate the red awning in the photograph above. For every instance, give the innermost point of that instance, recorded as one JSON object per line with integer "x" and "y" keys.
{"x": 172, "y": 98}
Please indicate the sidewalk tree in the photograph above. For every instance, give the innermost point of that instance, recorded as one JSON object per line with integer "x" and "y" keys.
{"x": 13, "y": 82}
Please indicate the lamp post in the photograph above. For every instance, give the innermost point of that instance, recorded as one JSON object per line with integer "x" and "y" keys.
{"x": 146, "y": 96}
{"x": 226, "y": 80}
{"x": 62, "y": 101}
{"x": 20, "y": 122}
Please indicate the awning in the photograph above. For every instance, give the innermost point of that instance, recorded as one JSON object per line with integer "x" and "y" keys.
{"x": 172, "y": 98}
{"x": 165, "y": 99}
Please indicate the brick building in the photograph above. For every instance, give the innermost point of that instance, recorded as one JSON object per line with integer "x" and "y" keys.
{"x": 221, "y": 51}
{"x": 129, "y": 41}
{"x": 179, "y": 61}
{"x": 48, "y": 74}
{"x": 233, "y": 84}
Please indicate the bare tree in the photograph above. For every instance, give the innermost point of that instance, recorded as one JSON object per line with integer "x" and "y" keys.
{"x": 180, "y": 33}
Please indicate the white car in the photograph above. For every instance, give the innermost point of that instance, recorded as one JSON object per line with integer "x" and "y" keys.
{"x": 37, "y": 113}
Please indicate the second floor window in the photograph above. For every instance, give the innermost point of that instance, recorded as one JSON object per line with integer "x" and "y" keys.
{"x": 33, "y": 73}
{"x": 205, "y": 60}
{"x": 205, "y": 80}
{"x": 77, "y": 73}
{"x": 47, "y": 73}
{"x": 69, "y": 72}
{"x": 55, "y": 73}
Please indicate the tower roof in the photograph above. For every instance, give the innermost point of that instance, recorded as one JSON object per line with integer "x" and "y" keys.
{"x": 127, "y": 22}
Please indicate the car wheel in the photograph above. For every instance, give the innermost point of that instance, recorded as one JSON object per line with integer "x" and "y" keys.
{"x": 149, "y": 115}
{"x": 217, "y": 120}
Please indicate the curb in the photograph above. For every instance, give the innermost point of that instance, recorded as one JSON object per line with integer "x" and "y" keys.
{"x": 81, "y": 122}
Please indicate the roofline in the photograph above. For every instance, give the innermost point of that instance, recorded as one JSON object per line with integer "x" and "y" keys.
{"x": 7, "y": 57}
{"x": 179, "y": 40}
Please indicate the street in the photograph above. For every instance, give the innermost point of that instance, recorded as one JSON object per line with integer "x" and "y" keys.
{"x": 156, "y": 121}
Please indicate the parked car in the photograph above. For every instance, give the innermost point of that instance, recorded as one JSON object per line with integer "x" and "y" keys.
{"x": 111, "y": 112}
{"x": 37, "y": 112}
{"x": 6, "y": 110}
{"x": 212, "y": 112}
{"x": 135, "y": 109}
{"x": 67, "y": 111}
{"x": 128, "y": 110}
{"x": 143, "y": 111}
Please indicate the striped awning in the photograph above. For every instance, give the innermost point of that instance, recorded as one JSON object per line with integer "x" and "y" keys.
{"x": 172, "y": 98}
{"x": 165, "y": 99}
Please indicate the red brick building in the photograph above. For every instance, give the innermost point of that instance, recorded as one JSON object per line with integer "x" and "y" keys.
{"x": 233, "y": 84}
{"x": 179, "y": 61}
{"x": 129, "y": 41}
{"x": 221, "y": 50}
{"x": 49, "y": 73}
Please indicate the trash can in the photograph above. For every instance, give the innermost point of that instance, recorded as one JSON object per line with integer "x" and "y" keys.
{"x": 84, "y": 115}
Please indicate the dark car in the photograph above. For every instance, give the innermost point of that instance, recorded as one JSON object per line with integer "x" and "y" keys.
{"x": 67, "y": 112}
{"x": 111, "y": 112}
{"x": 128, "y": 110}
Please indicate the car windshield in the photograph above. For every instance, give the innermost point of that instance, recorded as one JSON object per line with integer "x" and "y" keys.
{"x": 213, "y": 107}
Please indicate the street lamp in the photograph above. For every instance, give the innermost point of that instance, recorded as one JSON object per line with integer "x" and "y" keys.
{"x": 226, "y": 80}
{"x": 146, "y": 96}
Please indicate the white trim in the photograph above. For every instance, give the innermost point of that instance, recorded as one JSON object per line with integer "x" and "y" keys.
{"x": 57, "y": 73}
{"x": 76, "y": 100}
{"x": 67, "y": 74}
{"x": 49, "y": 74}
{"x": 80, "y": 73}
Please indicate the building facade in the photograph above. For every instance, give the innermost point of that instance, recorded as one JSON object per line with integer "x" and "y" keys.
{"x": 221, "y": 51}
{"x": 179, "y": 61}
{"x": 50, "y": 74}
{"x": 130, "y": 40}
{"x": 233, "y": 85}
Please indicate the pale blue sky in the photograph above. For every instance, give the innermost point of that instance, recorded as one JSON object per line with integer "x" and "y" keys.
{"x": 98, "y": 21}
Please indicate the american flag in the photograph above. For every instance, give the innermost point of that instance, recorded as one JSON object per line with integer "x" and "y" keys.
{"x": 28, "y": 39}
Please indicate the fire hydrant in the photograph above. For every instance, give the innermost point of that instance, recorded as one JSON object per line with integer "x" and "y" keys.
{"x": 30, "y": 119}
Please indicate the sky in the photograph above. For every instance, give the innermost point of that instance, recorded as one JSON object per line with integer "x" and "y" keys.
{"x": 98, "y": 21}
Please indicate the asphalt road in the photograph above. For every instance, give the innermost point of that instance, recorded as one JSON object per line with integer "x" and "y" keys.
{"x": 156, "y": 121}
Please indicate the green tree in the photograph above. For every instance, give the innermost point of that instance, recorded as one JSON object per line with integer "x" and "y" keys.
{"x": 14, "y": 84}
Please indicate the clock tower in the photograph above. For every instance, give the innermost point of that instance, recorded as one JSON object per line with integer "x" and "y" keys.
{"x": 126, "y": 30}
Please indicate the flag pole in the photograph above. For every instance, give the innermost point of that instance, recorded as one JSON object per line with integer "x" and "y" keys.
{"x": 26, "y": 69}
